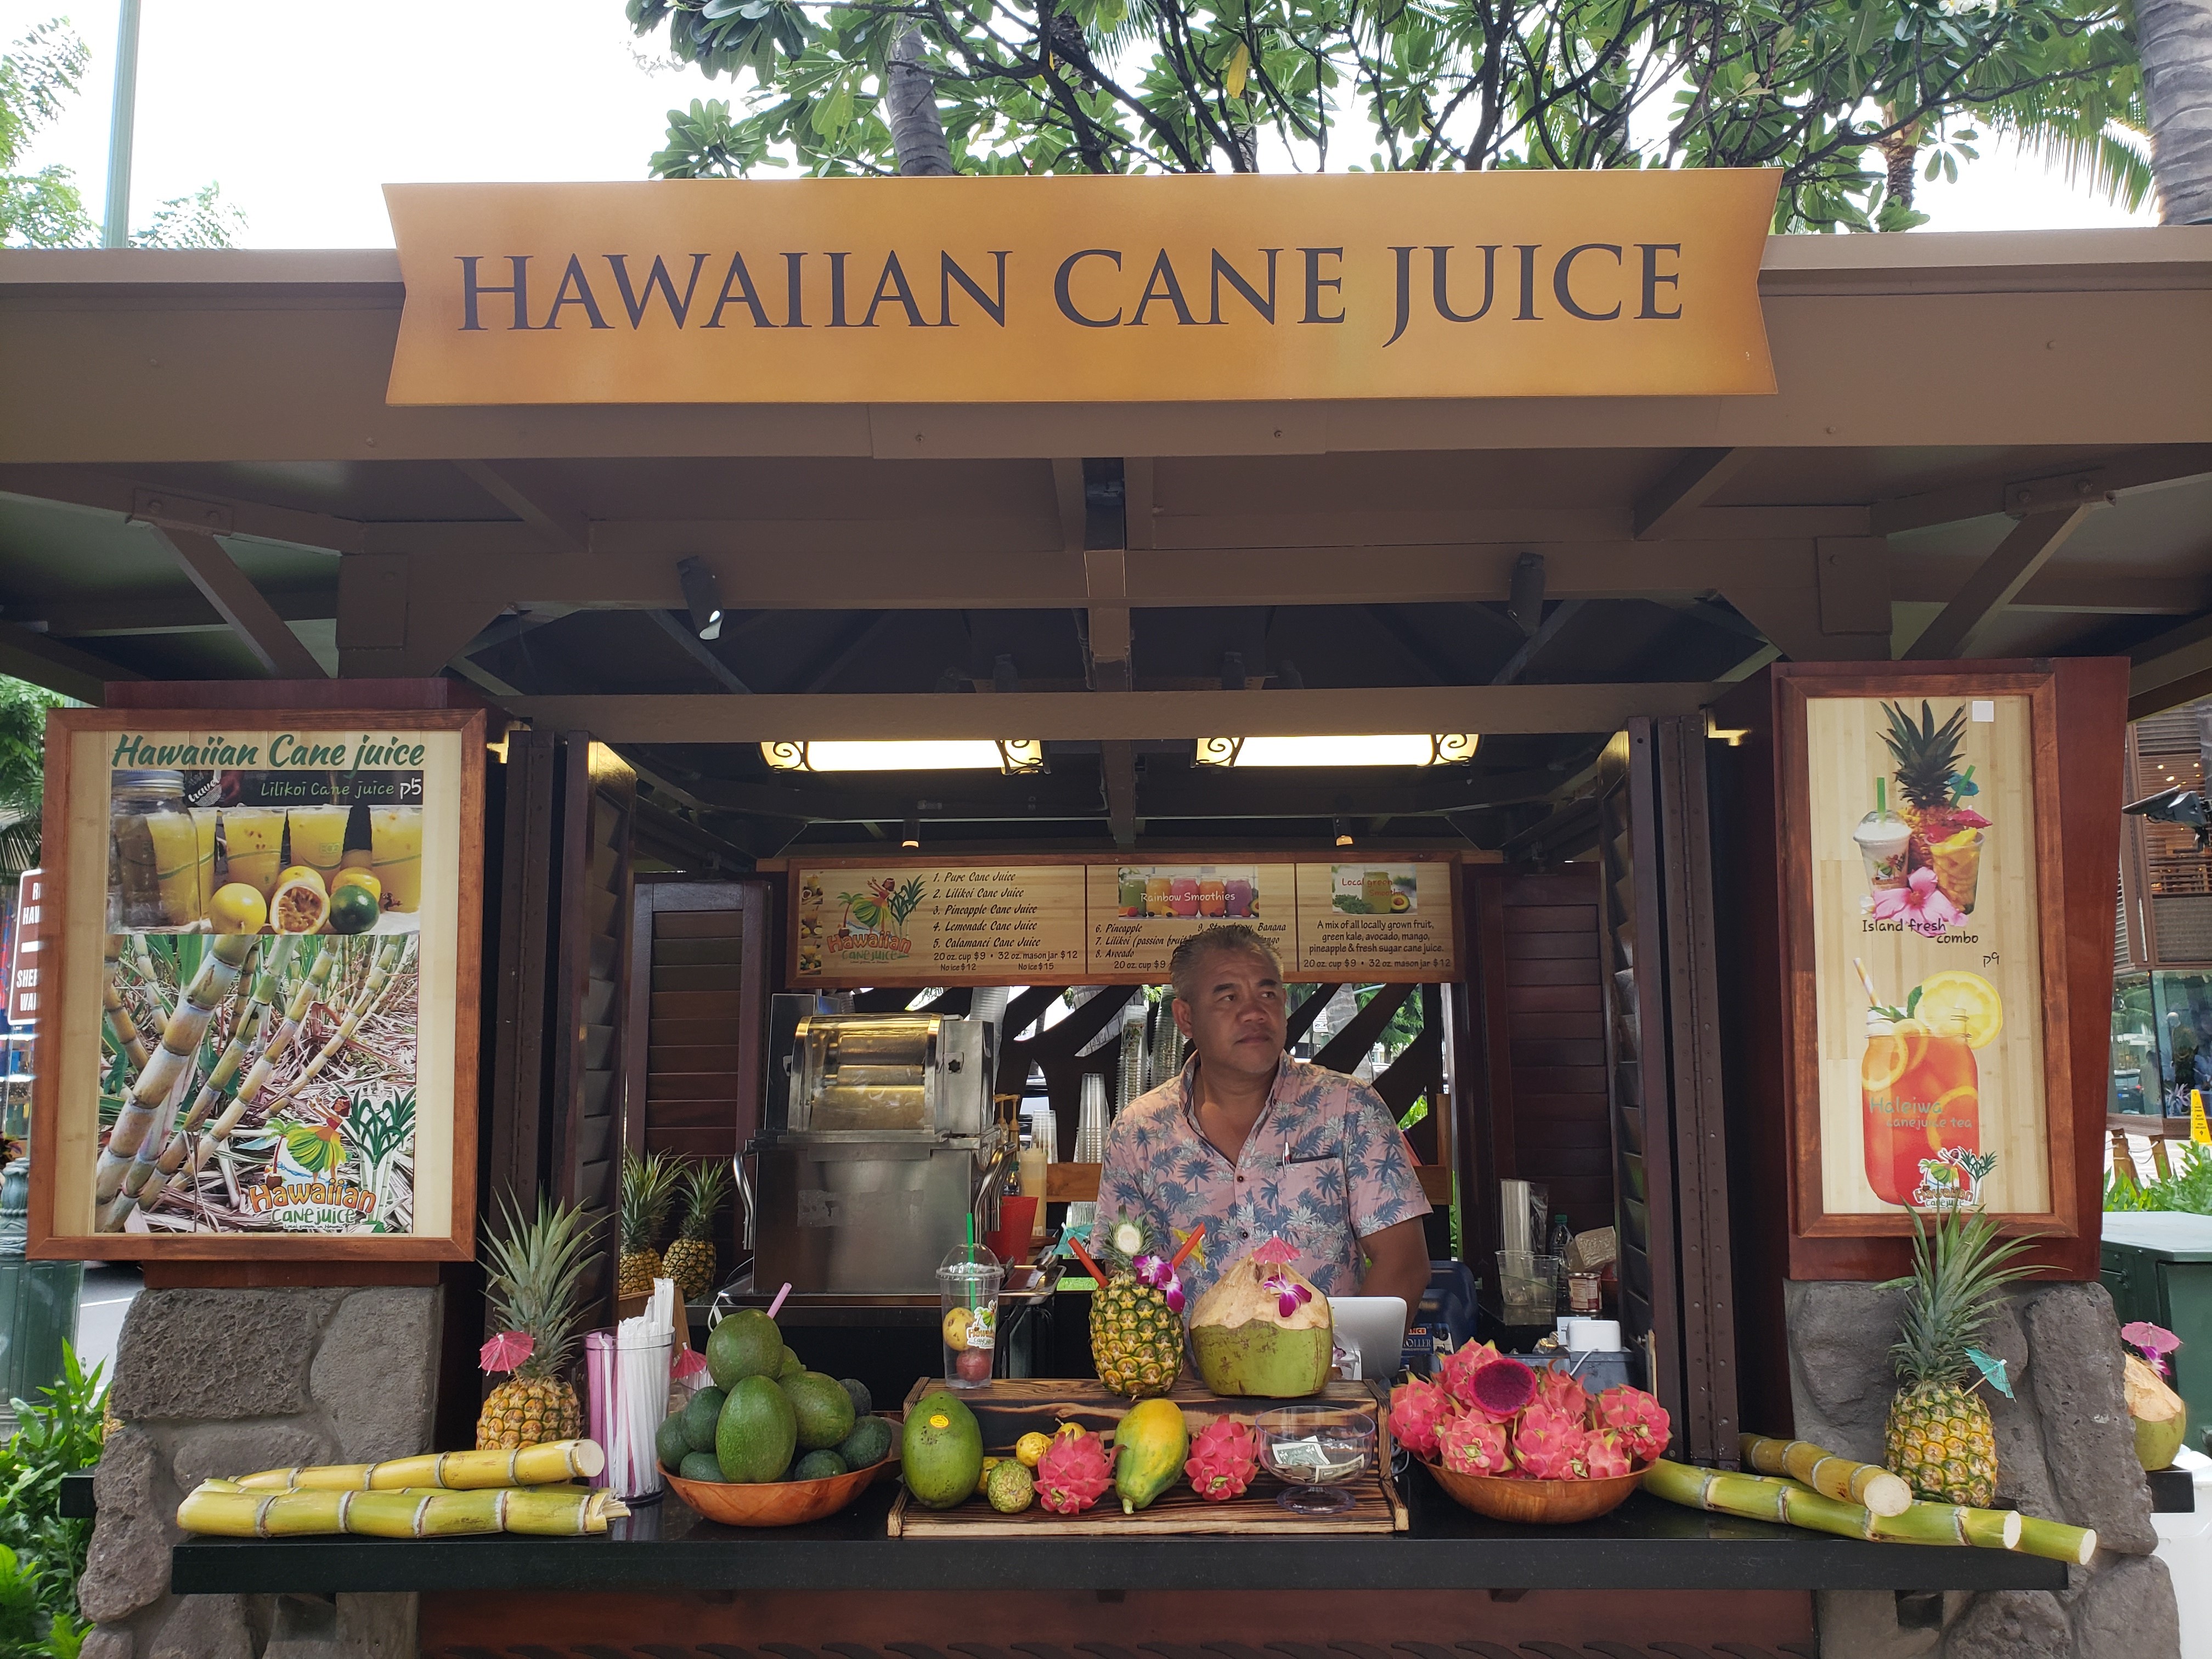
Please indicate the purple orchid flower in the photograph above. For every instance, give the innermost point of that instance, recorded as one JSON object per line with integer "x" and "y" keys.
{"x": 1154, "y": 1273}
{"x": 2153, "y": 1342}
{"x": 1290, "y": 1295}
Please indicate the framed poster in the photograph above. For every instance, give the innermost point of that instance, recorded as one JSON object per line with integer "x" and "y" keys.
{"x": 1920, "y": 851}
{"x": 260, "y": 950}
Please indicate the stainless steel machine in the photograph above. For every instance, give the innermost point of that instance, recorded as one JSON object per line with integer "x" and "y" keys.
{"x": 882, "y": 1139}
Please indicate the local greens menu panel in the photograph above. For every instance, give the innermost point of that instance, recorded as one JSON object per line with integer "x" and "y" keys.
{"x": 994, "y": 923}
{"x": 1118, "y": 920}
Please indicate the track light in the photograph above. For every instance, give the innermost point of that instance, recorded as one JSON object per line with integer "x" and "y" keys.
{"x": 1344, "y": 832}
{"x": 702, "y": 594}
{"x": 913, "y": 837}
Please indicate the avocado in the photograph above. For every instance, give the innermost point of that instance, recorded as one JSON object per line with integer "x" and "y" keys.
{"x": 818, "y": 1466}
{"x": 755, "y": 1433}
{"x": 941, "y": 1452}
{"x": 863, "y": 1402}
{"x": 669, "y": 1442}
{"x": 700, "y": 1416}
{"x": 790, "y": 1367}
{"x": 824, "y": 1409}
{"x": 746, "y": 1344}
{"x": 700, "y": 1466}
{"x": 868, "y": 1444}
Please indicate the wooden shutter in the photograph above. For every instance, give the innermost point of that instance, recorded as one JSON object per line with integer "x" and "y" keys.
{"x": 700, "y": 957}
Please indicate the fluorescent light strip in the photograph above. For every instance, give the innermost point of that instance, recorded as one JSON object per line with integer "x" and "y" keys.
{"x": 1397, "y": 748}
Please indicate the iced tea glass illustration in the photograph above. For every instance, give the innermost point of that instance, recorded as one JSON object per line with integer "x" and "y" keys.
{"x": 1921, "y": 1091}
{"x": 1156, "y": 896}
{"x": 253, "y": 844}
{"x": 318, "y": 837}
{"x": 395, "y": 834}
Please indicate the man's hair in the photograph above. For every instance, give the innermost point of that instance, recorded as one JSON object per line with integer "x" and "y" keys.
{"x": 1225, "y": 936}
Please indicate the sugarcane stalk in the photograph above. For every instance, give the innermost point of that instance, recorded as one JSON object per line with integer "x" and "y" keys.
{"x": 159, "y": 1078}
{"x": 2057, "y": 1542}
{"x": 405, "y": 1512}
{"x": 127, "y": 1034}
{"x": 295, "y": 1011}
{"x": 142, "y": 956}
{"x": 164, "y": 1146}
{"x": 1881, "y": 1491}
{"x": 544, "y": 1465}
{"x": 1761, "y": 1497}
{"x": 387, "y": 961}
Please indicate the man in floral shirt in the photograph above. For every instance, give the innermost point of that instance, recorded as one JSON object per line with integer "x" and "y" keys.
{"x": 1256, "y": 1145}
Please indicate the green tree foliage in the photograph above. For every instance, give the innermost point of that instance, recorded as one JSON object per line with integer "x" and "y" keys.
{"x": 22, "y": 772}
{"x": 39, "y": 75}
{"x": 1846, "y": 97}
{"x": 44, "y": 1553}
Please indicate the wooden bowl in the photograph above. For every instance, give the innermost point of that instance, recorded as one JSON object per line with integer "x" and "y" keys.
{"x": 775, "y": 1502}
{"x": 1535, "y": 1503}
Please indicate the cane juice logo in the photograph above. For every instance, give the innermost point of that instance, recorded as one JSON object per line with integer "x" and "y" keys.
{"x": 871, "y": 926}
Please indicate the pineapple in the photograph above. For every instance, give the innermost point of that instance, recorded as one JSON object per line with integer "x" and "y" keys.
{"x": 534, "y": 1278}
{"x": 1927, "y": 756}
{"x": 1136, "y": 1337}
{"x": 691, "y": 1259}
{"x": 1939, "y": 1437}
{"x": 648, "y": 1189}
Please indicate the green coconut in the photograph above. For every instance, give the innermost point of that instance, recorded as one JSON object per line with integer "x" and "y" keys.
{"x": 2161, "y": 1418}
{"x": 1246, "y": 1345}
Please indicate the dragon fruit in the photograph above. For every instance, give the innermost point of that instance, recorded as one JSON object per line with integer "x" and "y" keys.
{"x": 1560, "y": 1391}
{"x": 1074, "y": 1472}
{"x": 1471, "y": 1446}
{"x": 1604, "y": 1457}
{"x": 1547, "y": 1446}
{"x": 1456, "y": 1372}
{"x": 1639, "y": 1420}
{"x": 1419, "y": 1411}
{"x": 1223, "y": 1460}
{"x": 1500, "y": 1388}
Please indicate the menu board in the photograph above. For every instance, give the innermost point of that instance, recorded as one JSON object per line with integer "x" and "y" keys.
{"x": 262, "y": 929}
{"x": 1928, "y": 979}
{"x": 1113, "y": 921}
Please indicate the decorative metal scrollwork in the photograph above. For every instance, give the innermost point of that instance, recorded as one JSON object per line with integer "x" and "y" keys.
{"x": 1218, "y": 751}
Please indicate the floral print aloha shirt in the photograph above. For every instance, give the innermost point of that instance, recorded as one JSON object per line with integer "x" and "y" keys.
{"x": 1324, "y": 1166}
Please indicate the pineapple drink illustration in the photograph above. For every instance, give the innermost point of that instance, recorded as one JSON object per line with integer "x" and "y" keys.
{"x": 1946, "y": 833}
{"x": 1919, "y": 1083}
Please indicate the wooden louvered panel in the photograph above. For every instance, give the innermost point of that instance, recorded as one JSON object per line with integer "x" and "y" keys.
{"x": 701, "y": 955}
{"x": 701, "y": 1057}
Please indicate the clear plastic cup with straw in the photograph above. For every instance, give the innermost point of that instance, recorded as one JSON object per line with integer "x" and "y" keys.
{"x": 968, "y": 1283}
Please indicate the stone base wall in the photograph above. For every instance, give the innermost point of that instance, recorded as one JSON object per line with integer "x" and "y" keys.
{"x": 2066, "y": 1452}
{"x": 225, "y": 1382}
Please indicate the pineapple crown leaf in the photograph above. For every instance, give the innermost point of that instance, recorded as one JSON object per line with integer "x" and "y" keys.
{"x": 648, "y": 1191}
{"x": 1959, "y": 1264}
{"x": 534, "y": 1271}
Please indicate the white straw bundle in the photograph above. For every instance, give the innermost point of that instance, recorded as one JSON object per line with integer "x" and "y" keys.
{"x": 629, "y": 1392}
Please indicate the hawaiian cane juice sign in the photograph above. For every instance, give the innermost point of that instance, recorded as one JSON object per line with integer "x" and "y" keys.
{"x": 1018, "y": 289}
{"x": 1929, "y": 970}
{"x": 274, "y": 911}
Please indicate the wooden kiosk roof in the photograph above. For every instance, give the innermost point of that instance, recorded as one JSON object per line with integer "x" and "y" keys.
{"x": 1988, "y": 445}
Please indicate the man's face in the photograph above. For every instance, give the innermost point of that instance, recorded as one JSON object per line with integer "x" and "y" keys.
{"x": 1237, "y": 1020}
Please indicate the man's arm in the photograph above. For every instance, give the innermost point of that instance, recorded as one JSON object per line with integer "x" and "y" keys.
{"x": 1397, "y": 1264}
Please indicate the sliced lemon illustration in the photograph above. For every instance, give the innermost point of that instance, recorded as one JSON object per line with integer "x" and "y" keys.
{"x": 1884, "y": 1064}
{"x": 1965, "y": 1092}
{"x": 1964, "y": 1003}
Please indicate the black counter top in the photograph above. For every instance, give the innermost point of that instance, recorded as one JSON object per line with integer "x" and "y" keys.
{"x": 1646, "y": 1544}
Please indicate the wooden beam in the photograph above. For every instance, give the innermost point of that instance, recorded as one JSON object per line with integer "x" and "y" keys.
{"x": 2000, "y": 576}
{"x": 1689, "y": 484}
{"x": 825, "y": 670}
{"x": 99, "y": 491}
{"x": 1547, "y": 630}
{"x": 1117, "y": 767}
{"x": 679, "y": 629}
{"x": 58, "y": 667}
{"x": 2149, "y": 468}
{"x": 238, "y": 603}
{"x": 556, "y": 523}
{"x": 1094, "y": 715}
{"x": 73, "y": 618}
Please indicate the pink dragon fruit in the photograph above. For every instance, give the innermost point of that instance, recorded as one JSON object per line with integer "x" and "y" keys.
{"x": 1223, "y": 1460}
{"x": 1604, "y": 1457}
{"x": 1455, "y": 1375}
{"x": 1639, "y": 1420}
{"x": 1547, "y": 1446}
{"x": 1074, "y": 1472}
{"x": 1560, "y": 1391}
{"x": 1419, "y": 1412}
{"x": 1471, "y": 1446}
{"x": 1500, "y": 1389}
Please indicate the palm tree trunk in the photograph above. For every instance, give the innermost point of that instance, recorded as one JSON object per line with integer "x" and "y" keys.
{"x": 2175, "y": 37}
{"x": 917, "y": 130}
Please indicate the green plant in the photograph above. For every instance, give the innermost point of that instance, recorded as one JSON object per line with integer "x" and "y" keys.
{"x": 42, "y": 1552}
{"x": 2188, "y": 1188}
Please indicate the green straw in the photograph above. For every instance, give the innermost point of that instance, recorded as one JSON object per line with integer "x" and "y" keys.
{"x": 1882, "y": 797}
{"x": 970, "y": 1276}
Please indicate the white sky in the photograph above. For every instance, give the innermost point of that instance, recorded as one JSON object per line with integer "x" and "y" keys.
{"x": 302, "y": 111}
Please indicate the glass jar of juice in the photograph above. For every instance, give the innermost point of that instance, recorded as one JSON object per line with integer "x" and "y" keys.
{"x": 1130, "y": 892}
{"x": 154, "y": 871}
{"x": 1236, "y": 896}
{"x": 1375, "y": 891}
{"x": 1921, "y": 1091}
{"x": 1183, "y": 895}
{"x": 1156, "y": 896}
{"x": 1212, "y": 896}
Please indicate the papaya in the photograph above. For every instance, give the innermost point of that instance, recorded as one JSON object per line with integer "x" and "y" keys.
{"x": 1152, "y": 1444}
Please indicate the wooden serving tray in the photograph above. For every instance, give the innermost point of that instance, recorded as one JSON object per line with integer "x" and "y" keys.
{"x": 1009, "y": 1409}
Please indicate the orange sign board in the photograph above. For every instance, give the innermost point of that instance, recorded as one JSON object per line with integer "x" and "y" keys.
{"x": 1094, "y": 290}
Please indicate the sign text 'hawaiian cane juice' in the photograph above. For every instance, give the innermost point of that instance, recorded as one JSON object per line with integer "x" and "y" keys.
{"x": 1921, "y": 1093}
{"x": 254, "y": 843}
{"x": 395, "y": 834}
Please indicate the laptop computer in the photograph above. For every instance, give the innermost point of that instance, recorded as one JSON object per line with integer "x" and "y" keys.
{"x": 1374, "y": 1327}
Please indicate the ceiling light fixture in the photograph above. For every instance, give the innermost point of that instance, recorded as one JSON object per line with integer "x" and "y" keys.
{"x": 1399, "y": 749}
{"x": 1344, "y": 832}
{"x": 913, "y": 837}
{"x": 1012, "y": 755}
{"x": 703, "y": 594}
